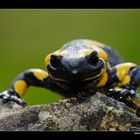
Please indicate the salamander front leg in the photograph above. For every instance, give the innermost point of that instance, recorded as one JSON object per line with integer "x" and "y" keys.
{"x": 121, "y": 94}
{"x": 8, "y": 95}
{"x": 32, "y": 77}
{"x": 125, "y": 87}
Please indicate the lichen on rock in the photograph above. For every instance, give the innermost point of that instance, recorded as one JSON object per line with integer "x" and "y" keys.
{"x": 97, "y": 112}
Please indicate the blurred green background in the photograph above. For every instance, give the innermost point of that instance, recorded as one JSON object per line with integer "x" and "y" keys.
{"x": 27, "y": 36}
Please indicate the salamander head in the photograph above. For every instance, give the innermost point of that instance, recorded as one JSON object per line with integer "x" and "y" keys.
{"x": 75, "y": 62}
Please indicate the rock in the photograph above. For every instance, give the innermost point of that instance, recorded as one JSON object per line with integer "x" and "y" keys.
{"x": 97, "y": 112}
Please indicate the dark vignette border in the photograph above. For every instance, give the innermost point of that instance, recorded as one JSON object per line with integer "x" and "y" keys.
{"x": 70, "y": 4}
{"x": 91, "y": 135}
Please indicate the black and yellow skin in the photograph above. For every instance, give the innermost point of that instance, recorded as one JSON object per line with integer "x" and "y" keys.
{"x": 81, "y": 65}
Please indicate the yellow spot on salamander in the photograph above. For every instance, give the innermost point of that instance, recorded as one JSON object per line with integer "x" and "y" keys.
{"x": 123, "y": 69}
{"x": 126, "y": 80}
{"x": 57, "y": 53}
{"x": 103, "y": 81}
{"x": 118, "y": 88}
{"x": 39, "y": 74}
{"x": 20, "y": 87}
{"x": 85, "y": 52}
{"x": 94, "y": 46}
{"x": 47, "y": 60}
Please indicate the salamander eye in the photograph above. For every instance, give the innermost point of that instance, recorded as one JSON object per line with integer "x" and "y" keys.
{"x": 93, "y": 58}
{"x": 55, "y": 60}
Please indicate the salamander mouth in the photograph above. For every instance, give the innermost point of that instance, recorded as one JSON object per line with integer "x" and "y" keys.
{"x": 82, "y": 77}
{"x": 99, "y": 69}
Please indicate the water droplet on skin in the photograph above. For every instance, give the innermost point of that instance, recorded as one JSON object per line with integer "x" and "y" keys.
{"x": 74, "y": 71}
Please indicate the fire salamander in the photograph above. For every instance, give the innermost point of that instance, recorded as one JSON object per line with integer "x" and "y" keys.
{"x": 81, "y": 65}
